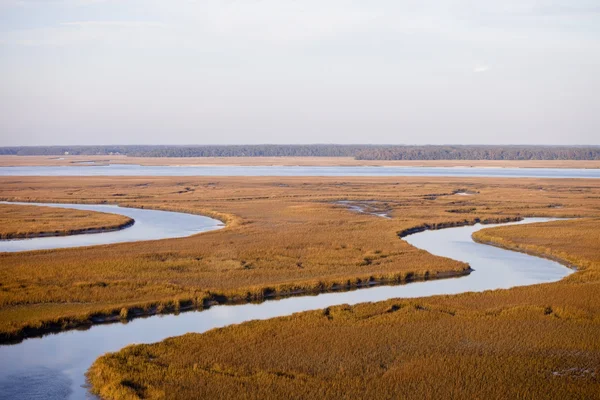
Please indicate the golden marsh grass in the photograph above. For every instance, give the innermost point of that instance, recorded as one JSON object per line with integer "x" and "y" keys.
{"x": 25, "y": 221}
{"x": 536, "y": 342}
{"x": 283, "y": 235}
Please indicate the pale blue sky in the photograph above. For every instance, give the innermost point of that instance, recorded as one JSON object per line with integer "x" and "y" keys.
{"x": 299, "y": 71}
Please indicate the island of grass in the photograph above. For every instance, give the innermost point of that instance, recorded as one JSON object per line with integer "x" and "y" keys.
{"x": 30, "y": 221}
{"x": 284, "y": 235}
{"x": 530, "y": 342}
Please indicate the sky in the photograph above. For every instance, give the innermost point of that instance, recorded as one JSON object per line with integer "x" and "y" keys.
{"x": 299, "y": 71}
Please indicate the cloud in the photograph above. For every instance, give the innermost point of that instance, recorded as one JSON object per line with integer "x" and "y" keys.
{"x": 479, "y": 68}
{"x": 79, "y": 32}
{"x": 116, "y": 24}
{"x": 37, "y": 3}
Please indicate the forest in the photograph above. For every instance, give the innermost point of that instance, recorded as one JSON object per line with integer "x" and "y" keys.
{"x": 359, "y": 152}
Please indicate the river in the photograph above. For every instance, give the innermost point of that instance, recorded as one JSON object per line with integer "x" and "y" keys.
{"x": 53, "y": 366}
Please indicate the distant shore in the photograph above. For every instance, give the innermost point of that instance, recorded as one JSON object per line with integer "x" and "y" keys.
{"x": 17, "y": 161}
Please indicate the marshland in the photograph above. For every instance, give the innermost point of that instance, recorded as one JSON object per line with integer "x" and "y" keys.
{"x": 299, "y": 199}
{"x": 294, "y": 235}
{"x": 283, "y": 235}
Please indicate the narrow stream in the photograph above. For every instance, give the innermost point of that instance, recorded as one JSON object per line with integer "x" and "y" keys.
{"x": 53, "y": 367}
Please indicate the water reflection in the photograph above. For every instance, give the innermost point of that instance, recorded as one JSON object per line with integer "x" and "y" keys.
{"x": 38, "y": 383}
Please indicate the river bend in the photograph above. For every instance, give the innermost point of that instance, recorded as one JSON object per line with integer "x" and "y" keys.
{"x": 53, "y": 367}
{"x": 148, "y": 225}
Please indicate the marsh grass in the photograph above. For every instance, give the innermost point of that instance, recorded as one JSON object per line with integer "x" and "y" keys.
{"x": 283, "y": 236}
{"x": 25, "y": 221}
{"x": 535, "y": 342}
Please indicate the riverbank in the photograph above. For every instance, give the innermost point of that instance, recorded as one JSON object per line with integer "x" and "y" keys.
{"x": 524, "y": 240}
{"x": 532, "y": 342}
{"x": 126, "y": 314}
{"x": 150, "y": 225}
{"x": 28, "y": 221}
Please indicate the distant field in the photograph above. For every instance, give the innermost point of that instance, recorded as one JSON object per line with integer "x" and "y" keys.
{"x": 536, "y": 342}
{"x": 24, "y": 221}
{"x": 282, "y": 235}
{"x": 289, "y": 161}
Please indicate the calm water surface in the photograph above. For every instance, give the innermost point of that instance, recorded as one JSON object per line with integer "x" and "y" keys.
{"x": 137, "y": 170}
{"x": 53, "y": 367}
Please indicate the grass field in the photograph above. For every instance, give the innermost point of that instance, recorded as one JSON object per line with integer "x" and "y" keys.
{"x": 24, "y": 221}
{"x": 283, "y": 235}
{"x": 537, "y": 342}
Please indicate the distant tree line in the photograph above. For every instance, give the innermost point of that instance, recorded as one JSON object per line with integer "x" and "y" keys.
{"x": 480, "y": 153}
{"x": 360, "y": 152}
{"x": 316, "y": 150}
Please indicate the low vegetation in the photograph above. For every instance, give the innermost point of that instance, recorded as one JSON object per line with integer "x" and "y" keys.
{"x": 284, "y": 235}
{"x": 536, "y": 342}
{"x": 25, "y": 221}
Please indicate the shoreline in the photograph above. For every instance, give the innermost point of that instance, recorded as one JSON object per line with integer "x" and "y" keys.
{"x": 73, "y": 232}
{"x": 214, "y": 299}
{"x": 530, "y": 252}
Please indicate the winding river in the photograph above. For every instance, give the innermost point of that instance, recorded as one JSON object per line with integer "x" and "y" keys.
{"x": 148, "y": 225}
{"x": 53, "y": 367}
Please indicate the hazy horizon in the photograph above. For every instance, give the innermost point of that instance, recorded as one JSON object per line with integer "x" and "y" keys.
{"x": 307, "y": 144}
{"x": 185, "y": 72}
